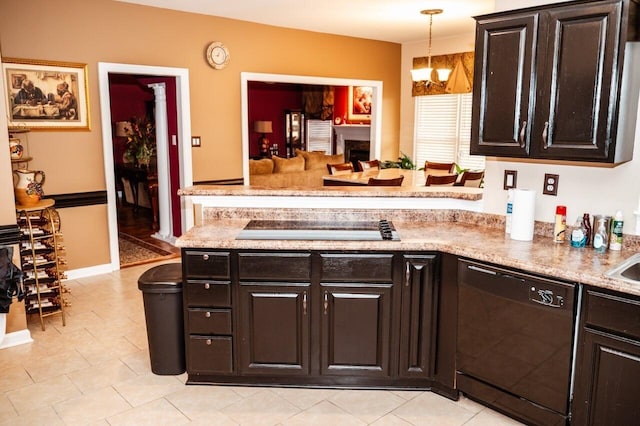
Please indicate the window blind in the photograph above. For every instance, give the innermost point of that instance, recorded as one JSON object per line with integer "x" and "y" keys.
{"x": 443, "y": 131}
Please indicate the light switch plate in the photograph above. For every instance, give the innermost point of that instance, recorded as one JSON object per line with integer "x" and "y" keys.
{"x": 550, "y": 184}
{"x": 510, "y": 179}
{"x": 195, "y": 141}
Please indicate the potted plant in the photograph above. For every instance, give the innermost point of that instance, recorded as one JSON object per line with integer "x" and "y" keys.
{"x": 141, "y": 141}
{"x": 404, "y": 162}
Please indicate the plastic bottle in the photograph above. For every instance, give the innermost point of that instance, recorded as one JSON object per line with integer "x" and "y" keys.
{"x": 616, "y": 231}
{"x": 586, "y": 221}
{"x": 579, "y": 234}
{"x": 507, "y": 228}
{"x": 600, "y": 237}
{"x": 560, "y": 227}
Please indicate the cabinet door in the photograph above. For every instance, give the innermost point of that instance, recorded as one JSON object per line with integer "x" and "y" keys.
{"x": 274, "y": 329}
{"x": 418, "y": 317}
{"x": 578, "y": 77}
{"x": 607, "y": 381}
{"x": 503, "y": 85}
{"x": 356, "y": 322}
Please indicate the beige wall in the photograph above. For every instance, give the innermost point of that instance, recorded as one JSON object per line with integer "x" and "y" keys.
{"x": 592, "y": 189}
{"x": 7, "y": 205}
{"x": 107, "y": 31}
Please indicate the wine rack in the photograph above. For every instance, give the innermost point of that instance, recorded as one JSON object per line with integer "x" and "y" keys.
{"x": 41, "y": 259}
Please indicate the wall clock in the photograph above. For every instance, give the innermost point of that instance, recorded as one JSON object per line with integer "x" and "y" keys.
{"x": 218, "y": 55}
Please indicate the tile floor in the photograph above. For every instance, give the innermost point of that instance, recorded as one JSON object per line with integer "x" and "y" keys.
{"x": 95, "y": 371}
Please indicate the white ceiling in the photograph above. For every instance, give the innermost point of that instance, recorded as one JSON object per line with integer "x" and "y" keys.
{"x": 397, "y": 21}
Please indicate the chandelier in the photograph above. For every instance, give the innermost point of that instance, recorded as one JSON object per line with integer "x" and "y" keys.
{"x": 424, "y": 75}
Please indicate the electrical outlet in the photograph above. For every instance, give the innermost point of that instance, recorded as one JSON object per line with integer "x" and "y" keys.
{"x": 550, "y": 184}
{"x": 510, "y": 178}
{"x": 195, "y": 141}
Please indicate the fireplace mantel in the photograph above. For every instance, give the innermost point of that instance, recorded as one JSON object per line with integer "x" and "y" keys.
{"x": 353, "y": 132}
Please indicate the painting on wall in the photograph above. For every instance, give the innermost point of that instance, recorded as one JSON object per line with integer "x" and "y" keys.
{"x": 46, "y": 95}
{"x": 360, "y": 104}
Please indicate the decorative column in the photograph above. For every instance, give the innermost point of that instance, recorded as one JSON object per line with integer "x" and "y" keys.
{"x": 165, "y": 231}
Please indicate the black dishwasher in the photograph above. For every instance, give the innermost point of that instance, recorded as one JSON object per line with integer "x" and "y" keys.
{"x": 514, "y": 343}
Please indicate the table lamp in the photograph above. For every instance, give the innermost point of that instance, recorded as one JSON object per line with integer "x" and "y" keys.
{"x": 263, "y": 127}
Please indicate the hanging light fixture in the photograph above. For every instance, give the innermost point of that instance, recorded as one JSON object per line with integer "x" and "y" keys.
{"x": 424, "y": 74}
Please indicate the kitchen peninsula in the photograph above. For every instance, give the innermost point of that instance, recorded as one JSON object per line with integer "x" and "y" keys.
{"x": 356, "y": 313}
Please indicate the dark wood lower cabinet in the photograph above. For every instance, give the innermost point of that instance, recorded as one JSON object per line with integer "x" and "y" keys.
{"x": 274, "y": 329}
{"x": 356, "y": 327}
{"x": 418, "y": 317}
{"x": 316, "y": 318}
{"x": 608, "y": 366}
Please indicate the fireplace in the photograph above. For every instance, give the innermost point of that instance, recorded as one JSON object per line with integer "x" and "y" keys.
{"x": 355, "y": 151}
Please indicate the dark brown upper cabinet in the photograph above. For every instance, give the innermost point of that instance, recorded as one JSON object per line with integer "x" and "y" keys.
{"x": 549, "y": 82}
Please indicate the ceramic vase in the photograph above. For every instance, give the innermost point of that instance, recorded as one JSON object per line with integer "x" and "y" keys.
{"x": 28, "y": 188}
{"x": 15, "y": 149}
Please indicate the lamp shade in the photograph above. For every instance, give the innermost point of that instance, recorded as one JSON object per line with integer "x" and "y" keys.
{"x": 421, "y": 74}
{"x": 122, "y": 129}
{"x": 443, "y": 74}
{"x": 262, "y": 127}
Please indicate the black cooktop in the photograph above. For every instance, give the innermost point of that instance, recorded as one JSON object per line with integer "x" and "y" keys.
{"x": 318, "y": 230}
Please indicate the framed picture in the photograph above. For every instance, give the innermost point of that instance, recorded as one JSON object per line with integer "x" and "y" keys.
{"x": 360, "y": 103}
{"x": 46, "y": 95}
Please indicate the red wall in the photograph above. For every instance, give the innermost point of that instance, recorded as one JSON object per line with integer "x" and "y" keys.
{"x": 267, "y": 102}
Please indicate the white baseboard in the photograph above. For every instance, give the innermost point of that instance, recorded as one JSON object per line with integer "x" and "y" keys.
{"x": 16, "y": 338}
{"x": 89, "y": 271}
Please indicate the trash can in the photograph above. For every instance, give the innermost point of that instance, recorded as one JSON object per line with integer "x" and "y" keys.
{"x": 162, "y": 295}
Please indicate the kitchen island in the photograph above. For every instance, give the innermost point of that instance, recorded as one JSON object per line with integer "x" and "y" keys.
{"x": 376, "y": 313}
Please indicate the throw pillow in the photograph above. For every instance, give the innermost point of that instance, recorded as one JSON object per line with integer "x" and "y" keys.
{"x": 263, "y": 166}
{"x": 313, "y": 160}
{"x": 288, "y": 165}
{"x": 336, "y": 158}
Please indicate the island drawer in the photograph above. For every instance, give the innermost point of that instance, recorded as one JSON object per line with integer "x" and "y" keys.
{"x": 274, "y": 266}
{"x": 355, "y": 267}
{"x": 208, "y": 294}
{"x": 210, "y": 354}
{"x": 613, "y": 313}
{"x": 209, "y": 321}
{"x": 205, "y": 264}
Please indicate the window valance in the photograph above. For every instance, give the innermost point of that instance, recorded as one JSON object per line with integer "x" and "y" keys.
{"x": 460, "y": 79}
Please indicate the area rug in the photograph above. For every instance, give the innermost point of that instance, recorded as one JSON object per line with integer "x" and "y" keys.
{"x": 134, "y": 251}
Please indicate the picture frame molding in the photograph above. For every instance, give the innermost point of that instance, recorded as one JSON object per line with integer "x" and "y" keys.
{"x": 48, "y": 69}
{"x": 354, "y": 117}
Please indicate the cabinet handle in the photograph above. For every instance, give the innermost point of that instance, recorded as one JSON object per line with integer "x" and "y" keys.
{"x": 545, "y": 135}
{"x": 207, "y": 286}
{"x": 521, "y": 136}
{"x": 208, "y": 342}
{"x": 326, "y": 302}
{"x": 205, "y": 257}
{"x": 407, "y": 276}
{"x": 207, "y": 314}
{"x": 304, "y": 303}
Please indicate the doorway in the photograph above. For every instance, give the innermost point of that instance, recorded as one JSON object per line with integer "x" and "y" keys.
{"x": 181, "y": 141}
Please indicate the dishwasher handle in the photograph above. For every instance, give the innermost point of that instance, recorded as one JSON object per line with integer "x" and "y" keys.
{"x": 495, "y": 273}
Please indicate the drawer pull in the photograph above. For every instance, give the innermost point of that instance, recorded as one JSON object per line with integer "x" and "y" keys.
{"x": 205, "y": 257}
{"x": 209, "y": 342}
{"x": 207, "y": 286}
{"x": 326, "y": 302}
{"x": 304, "y": 303}
{"x": 207, "y": 314}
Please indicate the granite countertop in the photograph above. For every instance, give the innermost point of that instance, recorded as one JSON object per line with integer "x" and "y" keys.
{"x": 453, "y": 192}
{"x": 461, "y": 238}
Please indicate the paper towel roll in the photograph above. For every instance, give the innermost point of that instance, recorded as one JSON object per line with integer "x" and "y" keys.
{"x": 523, "y": 215}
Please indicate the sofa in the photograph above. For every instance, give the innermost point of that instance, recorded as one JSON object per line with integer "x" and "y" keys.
{"x": 304, "y": 170}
